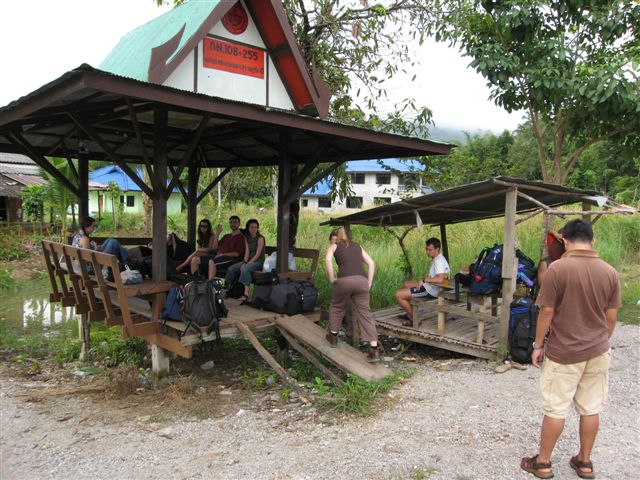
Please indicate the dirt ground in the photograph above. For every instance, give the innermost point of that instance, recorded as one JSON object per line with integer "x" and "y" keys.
{"x": 453, "y": 419}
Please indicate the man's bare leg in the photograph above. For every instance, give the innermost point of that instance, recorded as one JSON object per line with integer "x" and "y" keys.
{"x": 551, "y": 430}
{"x": 212, "y": 270}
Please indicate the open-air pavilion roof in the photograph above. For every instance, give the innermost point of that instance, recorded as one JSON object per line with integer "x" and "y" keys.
{"x": 86, "y": 104}
{"x": 477, "y": 201}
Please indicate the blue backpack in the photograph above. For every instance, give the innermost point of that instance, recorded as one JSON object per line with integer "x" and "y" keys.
{"x": 172, "y": 309}
{"x": 486, "y": 276}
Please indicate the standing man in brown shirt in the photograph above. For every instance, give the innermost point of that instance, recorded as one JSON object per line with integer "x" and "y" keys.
{"x": 579, "y": 303}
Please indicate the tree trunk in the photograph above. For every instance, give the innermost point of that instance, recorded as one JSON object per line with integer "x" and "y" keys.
{"x": 147, "y": 206}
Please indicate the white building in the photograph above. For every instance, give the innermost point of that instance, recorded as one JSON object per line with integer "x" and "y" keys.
{"x": 372, "y": 184}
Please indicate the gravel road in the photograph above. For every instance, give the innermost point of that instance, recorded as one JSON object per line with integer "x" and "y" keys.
{"x": 454, "y": 419}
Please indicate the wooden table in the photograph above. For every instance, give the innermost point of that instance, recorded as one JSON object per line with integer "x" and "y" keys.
{"x": 482, "y": 308}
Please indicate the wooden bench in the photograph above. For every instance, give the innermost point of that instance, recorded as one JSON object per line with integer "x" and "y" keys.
{"x": 483, "y": 308}
{"x": 77, "y": 280}
{"x": 305, "y": 270}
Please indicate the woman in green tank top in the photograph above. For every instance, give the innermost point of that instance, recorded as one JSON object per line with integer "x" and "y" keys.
{"x": 253, "y": 258}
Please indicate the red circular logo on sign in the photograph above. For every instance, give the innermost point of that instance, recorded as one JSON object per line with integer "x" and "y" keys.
{"x": 236, "y": 19}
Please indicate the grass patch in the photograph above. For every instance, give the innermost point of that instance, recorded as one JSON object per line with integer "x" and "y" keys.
{"x": 630, "y": 283}
{"x": 109, "y": 348}
{"x": 356, "y": 396}
{"x": 7, "y": 281}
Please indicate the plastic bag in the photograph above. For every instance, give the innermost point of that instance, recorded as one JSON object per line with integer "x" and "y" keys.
{"x": 270, "y": 263}
{"x": 130, "y": 277}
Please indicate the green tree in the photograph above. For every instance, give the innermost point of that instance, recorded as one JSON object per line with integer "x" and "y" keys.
{"x": 56, "y": 195}
{"x": 33, "y": 198}
{"x": 572, "y": 65}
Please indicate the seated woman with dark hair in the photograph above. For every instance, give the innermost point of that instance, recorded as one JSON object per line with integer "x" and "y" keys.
{"x": 82, "y": 239}
{"x": 252, "y": 261}
{"x": 206, "y": 245}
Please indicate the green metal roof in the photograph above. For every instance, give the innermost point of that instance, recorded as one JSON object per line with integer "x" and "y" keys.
{"x": 130, "y": 58}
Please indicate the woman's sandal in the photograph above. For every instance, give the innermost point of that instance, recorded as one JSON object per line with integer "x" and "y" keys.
{"x": 579, "y": 466}
{"x": 531, "y": 465}
{"x": 243, "y": 299}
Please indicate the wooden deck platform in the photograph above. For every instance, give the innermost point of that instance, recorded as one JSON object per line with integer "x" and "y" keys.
{"x": 257, "y": 320}
{"x": 460, "y": 332}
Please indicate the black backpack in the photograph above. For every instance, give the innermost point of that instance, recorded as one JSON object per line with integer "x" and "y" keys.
{"x": 522, "y": 329}
{"x": 236, "y": 290}
{"x": 203, "y": 305}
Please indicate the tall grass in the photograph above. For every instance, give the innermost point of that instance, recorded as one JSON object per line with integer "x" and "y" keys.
{"x": 617, "y": 242}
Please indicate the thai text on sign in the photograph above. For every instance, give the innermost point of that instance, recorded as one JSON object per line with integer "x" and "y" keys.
{"x": 233, "y": 58}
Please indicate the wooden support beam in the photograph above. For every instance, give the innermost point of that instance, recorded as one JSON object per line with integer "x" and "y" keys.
{"x": 86, "y": 128}
{"x": 534, "y": 201}
{"x": 159, "y": 196}
{"x": 212, "y": 184}
{"x": 509, "y": 264}
{"x": 528, "y": 216}
{"x": 269, "y": 359}
{"x": 192, "y": 203}
{"x": 29, "y": 151}
{"x": 191, "y": 149}
{"x": 443, "y": 240}
{"x": 136, "y": 128}
{"x": 83, "y": 182}
{"x": 284, "y": 183}
{"x": 311, "y": 357}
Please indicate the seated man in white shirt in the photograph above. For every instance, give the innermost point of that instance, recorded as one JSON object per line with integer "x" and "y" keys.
{"x": 438, "y": 271}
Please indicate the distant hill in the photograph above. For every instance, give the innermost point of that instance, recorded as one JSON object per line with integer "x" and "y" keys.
{"x": 453, "y": 134}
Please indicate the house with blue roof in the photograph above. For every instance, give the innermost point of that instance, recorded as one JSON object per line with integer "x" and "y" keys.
{"x": 373, "y": 183}
{"x": 130, "y": 196}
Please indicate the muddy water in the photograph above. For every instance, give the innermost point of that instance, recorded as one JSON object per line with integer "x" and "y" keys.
{"x": 28, "y": 311}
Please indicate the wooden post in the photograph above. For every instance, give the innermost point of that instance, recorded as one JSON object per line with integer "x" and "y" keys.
{"x": 443, "y": 241}
{"x": 351, "y": 326}
{"x": 192, "y": 204}
{"x": 159, "y": 361}
{"x": 83, "y": 182}
{"x": 509, "y": 267}
{"x": 284, "y": 184}
{"x": 585, "y": 208}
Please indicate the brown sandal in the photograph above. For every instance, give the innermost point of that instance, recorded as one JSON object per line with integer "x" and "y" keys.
{"x": 579, "y": 465}
{"x": 531, "y": 465}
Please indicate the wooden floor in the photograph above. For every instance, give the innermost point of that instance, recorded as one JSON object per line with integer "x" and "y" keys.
{"x": 460, "y": 332}
{"x": 256, "y": 320}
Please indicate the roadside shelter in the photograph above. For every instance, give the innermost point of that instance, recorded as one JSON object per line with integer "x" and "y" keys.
{"x": 210, "y": 84}
{"x": 514, "y": 199}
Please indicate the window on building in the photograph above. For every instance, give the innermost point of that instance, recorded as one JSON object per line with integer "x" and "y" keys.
{"x": 121, "y": 198}
{"x": 381, "y": 200}
{"x": 324, "y": 202}
{"x": 357, "y": 178}
{"x": 131, "y": 201}
{"x": 383, "y": 178}
{"x": 305, "y": 202}
{"x": 354, "y": 202}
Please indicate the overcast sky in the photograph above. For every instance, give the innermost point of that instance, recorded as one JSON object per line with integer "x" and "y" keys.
{"x": 42, "y": 39}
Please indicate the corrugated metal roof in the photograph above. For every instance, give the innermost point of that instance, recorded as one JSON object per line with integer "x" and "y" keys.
{"x": 474, "y": 201}
{"x": 125, "y": 58}
{"x": 27, "y": 179}
{"x": 19, "y": 169}
{"x": 15, "y": 158}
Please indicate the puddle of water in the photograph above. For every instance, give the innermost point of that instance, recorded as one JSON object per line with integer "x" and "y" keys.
{"x": 29, "y": 311}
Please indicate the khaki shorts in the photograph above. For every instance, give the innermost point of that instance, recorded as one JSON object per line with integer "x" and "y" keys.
{"x": 585, "y": 384}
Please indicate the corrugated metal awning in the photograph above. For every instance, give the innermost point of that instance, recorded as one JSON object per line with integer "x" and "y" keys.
{"x": 475, "y": 201}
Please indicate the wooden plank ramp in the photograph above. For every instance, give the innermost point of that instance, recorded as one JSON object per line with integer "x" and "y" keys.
{"x": 345, "y": 357}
